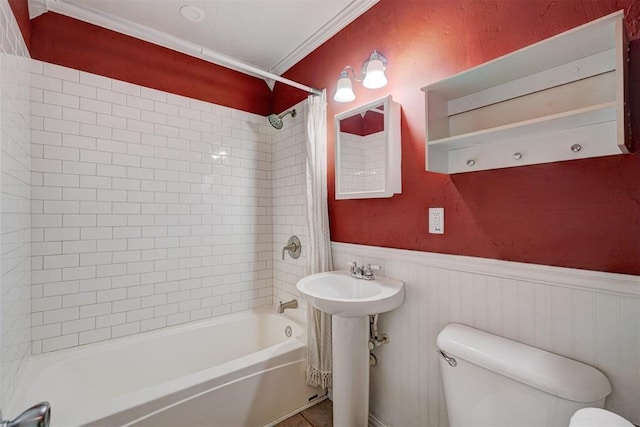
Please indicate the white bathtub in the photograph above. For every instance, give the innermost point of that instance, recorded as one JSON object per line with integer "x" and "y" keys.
{"x": 237, "y": 370}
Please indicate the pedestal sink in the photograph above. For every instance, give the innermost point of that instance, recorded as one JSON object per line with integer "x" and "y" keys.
{"x": 351, "y": 301}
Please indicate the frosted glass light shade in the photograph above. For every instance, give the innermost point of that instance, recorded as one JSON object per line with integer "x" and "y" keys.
{"x": 344, "y": 90}
{"x": 374, "y": 75}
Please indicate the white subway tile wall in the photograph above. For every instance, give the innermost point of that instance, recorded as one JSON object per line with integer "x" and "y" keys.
{"x": 149, "y": 209}
{"x": 588, "y": 316}
{"x": 15, "y": 222}
{"x": 289, "y": 204}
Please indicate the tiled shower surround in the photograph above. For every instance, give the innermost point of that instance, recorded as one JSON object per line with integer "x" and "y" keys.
{"x": 289, "y": 204}
{"x": 15, "y": 222}
{"x": 149, "y": 209}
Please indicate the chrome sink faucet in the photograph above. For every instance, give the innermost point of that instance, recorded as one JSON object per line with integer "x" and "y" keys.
{"x": 363, "y": 272}
{"x": 355, "y": 270}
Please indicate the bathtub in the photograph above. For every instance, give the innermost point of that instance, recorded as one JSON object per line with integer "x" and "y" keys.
{"x": 238, "y": 370}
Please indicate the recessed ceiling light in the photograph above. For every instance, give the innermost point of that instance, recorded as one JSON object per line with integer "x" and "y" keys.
{"x": 192, "y": 13}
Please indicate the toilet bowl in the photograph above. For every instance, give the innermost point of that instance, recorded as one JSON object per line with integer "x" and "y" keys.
{"x": 596, "y": 417}
{"x": 493, "y": 381}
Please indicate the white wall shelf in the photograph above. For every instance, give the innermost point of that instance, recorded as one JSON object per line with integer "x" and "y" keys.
{"x": 560, "y": 99}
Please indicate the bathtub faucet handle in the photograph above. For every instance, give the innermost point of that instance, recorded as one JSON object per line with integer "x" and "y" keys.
{"x": 293, "y": 247}
{"x": 37, "y": 416}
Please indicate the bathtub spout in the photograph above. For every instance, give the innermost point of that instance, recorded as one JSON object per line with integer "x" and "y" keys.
{"x": 289, "y": 304}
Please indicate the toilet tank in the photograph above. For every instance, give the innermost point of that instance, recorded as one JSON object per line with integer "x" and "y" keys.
{"x": 493, "y": 381}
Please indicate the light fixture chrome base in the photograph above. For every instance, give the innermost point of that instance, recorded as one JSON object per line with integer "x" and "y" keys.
{"x": 375, "y": 65}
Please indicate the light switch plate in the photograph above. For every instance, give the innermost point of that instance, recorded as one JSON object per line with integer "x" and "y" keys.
{"x": 436, "y": 220}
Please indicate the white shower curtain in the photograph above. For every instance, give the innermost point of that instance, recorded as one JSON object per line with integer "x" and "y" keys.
{"x": 319, "y": 369}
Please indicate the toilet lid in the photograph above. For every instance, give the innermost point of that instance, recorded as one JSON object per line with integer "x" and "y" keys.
{"x": 595, "y": 417}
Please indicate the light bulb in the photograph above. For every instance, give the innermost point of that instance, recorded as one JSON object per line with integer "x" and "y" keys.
{"x": 344, "y": 90}
{"x": 374, "y": 74}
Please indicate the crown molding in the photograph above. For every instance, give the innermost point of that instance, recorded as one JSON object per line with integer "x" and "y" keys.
{"x": 168, "y": 41}
{"x": 123, "y": 26}
{"x": 330, "y": 29}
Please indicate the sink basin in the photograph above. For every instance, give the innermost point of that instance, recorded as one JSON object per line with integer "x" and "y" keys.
{"x": 339, "y": 294}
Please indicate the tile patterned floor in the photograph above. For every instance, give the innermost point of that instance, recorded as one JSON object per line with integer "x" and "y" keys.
{"x": 320, "y": 415}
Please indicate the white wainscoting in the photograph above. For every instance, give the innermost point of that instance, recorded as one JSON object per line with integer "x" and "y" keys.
{"x": 590, "y": 316}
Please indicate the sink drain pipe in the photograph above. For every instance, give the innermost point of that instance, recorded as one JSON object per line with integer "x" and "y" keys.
{"x": 375, "y": 339}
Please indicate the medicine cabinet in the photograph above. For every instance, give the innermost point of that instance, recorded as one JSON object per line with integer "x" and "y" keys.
{"x": 368, "y": 154}
{"x": 560, "y": 99}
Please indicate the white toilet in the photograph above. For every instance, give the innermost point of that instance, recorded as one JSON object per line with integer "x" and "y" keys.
{"x": 492, "y": 381}
{"x": 595, "y": 417}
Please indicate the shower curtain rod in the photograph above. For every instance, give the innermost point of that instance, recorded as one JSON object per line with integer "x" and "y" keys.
{"x": 159, "y": 38}
{"x": 250, "y": 69}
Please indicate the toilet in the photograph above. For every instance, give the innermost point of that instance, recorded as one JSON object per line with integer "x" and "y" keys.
{"x": 493, "y": 381}
{"x": 596, "y": 417}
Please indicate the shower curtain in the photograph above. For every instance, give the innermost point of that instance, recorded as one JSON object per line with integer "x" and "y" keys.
{"x": 319, "y": 369}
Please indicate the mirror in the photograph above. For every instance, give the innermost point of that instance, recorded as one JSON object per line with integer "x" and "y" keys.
{"x": 368, "y": 155}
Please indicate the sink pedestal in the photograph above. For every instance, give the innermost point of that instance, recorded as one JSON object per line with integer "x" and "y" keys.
{"x": 350, "y": 337}
{"x": 350, "y": 301}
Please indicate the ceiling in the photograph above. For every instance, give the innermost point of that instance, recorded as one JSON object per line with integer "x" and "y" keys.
{"x": 271, "y": 35}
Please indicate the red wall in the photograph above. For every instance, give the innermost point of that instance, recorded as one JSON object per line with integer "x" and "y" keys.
{"x": 65, "y": 41}
{"x": 581, "y": 214}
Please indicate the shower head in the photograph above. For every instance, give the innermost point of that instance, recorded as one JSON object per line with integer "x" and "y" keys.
{"x": 276, "y": 120}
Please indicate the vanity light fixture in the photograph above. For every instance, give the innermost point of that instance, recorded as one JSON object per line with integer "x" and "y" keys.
{"x": 372, "y": 77}
{"x": 344, "y": 91}
{"x": 373, "y": 71}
